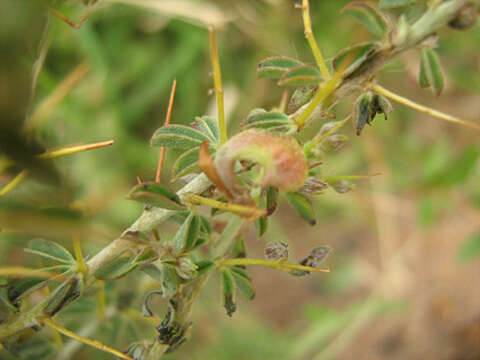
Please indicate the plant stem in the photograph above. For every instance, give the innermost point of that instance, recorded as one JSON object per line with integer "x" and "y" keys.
{"x": 324, "y": 90}
{"x": 217, "y": 78}
{"x": 307, "y": 24}
{"x": 287, "y": 267}
{"x": 421, "y": 108}
{"x": 241, "y": 210}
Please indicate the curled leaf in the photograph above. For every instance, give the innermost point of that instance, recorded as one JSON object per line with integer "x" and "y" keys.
{"x": 274, "y": 67}
{"x": 209, "y": 127}
{"x": 367, "y": 15}
{"x": 208, "y": 167}
{"x": 282, "y": 160}
{"x": 63, "y": 295}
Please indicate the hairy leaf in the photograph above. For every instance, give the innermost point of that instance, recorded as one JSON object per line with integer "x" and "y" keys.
{"x": 178, "y": 137}
{"x": 209, "y": 127}
{"x": 186, "y": 163}
{"x": 274, "y": 67}
{"x": 274, "y": 120}
{"x": 431, "y": 74}
{"x": 117, "y": 268}
{"x": 300, "y": 76}
{"x": 187, "y": 235}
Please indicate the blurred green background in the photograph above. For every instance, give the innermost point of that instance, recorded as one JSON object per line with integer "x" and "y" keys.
{"x": 404, "y": 272}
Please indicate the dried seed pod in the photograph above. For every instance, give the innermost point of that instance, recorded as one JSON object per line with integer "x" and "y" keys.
{"x": 277, "y": 250}
{"x": 334, "y": 142}
{"x": 343, "y": 186}
{"x": 316, "y": 256}
{"x": 367, "y": 106}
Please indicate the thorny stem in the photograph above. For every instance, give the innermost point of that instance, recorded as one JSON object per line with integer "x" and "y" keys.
{"x": 167, "y": 122}
{"x": 217, "y": 78}
{"x": 311, "y": 40}
{"x": 269, "y": 263}
{"x": 93, "y": 343}
{"x": 421, "y": 108}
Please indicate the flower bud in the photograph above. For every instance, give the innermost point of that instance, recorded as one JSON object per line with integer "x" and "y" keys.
{"x": 277, "y": 250}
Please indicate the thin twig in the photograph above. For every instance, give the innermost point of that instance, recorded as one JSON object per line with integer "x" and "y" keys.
{"x": 74, "y": 24}
{"x": 167, "y": 122}
{"x": 269, "y": 263}
{"x": 14, "y": 182}
{"x": 217, "y": 78}
{"x": 93, "y": 343}
{"x": 241, "y": 210}
{"x": 439, "y": 115}
{"x": 73, "y": 149}
{"x": 307, "y": 24}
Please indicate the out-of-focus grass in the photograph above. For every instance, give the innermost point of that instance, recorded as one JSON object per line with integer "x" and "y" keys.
{"x": 397, "y": 238}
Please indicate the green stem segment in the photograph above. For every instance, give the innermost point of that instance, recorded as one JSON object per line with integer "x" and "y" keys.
{"x": 273, "y": 264}
{"x": 217, "y": 78}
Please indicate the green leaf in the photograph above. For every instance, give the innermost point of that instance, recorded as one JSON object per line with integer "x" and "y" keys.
{"x": 470, "y": 249}
{"x": 243, "y": 282}
{"x": 261, "y": 224}
{"x": 147, "y": 256}
{"x": 209, "y": 127}
{"x": 153, "y": 271}
{"x": 50, "y": 250}
{"x": 239, "y": 248}
{"x": 388, "y": 4}
{"x": 274, "y": 67}
{"x": 170, "y": 280}
{"x": 204, "y": 266}
{"x": 117, "y": 268}
{"x": 178, "y": 137}
{"x": 185, "y": 164}
{"x": 300, "y": 97}
{"x": 367, "y": 15}
{"x": 156, "y": 195}
{"x": 228, "y": 291}
{"x": 274, "y": 120}
{"x": 431, "y": 73}
{"x": 355, "y": 57}
{"x": 187, "y": 235}
{"x": 271, "y": 199}
{"x": 63, "y": 295}
{"x": 302, "y": 205}
{"x": 300, "y": 76}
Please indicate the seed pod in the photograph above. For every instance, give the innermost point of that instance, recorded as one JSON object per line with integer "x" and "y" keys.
{"x": 343, "y": 186}
{"x": 316, "y": 256}
{"x": 466, "y": 18}
{"x": 367, "y": 106}
{"x": 277, "y": 250}
{"x": 334, "y": 142}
